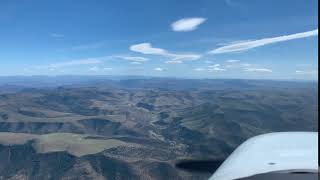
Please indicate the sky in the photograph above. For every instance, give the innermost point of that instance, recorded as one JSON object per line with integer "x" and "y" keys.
{"x": 245, "y": 39}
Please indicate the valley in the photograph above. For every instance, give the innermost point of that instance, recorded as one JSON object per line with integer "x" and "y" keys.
{"x": 137, "y": 128}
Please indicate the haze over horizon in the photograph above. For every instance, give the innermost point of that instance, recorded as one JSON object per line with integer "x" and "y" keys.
{"x": 230, "y": 39}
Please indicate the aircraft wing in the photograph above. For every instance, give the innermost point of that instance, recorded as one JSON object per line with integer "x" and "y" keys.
{"x": 294, "y": 152}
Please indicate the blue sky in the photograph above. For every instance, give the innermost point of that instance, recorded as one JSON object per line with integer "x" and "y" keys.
{"x": 191, "y": 39}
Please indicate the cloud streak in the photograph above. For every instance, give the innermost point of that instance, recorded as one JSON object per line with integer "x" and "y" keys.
{"x": 232, "y": 61}
{"x": 78, "y": 62}
{"x": 98, "y": 69}
{"x": 307, "y": 72}
{"x": 258, "y": 70}
{"x": 94, "y": 69}
{"x": 56, "y": 35}
{"x": 199, "y": 69}
{"x": 187, "y": 24}
{"x": 133, "y": 58}
{"x": 247, "y": 45}
{"x": 158, "y": 69}
{"x": 215, "y": 68}
{"x": 88, "y": 46}
{"x": 146, "y": 48}
{"x": 88, "y": 61}
{"x": 136, "y": 63}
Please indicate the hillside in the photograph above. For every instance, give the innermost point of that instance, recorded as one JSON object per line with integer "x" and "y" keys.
{"x": 134, "y": 128}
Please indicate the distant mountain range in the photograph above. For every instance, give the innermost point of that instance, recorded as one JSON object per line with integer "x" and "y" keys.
{"x": 19, "y": 82}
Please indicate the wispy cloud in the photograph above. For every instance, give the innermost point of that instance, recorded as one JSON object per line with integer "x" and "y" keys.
{"x": 307, "y": 72}
{"x": 76, "y": 62}
{"x": 247, "y": 45}
{"x": 211, "y": 68}
{"x": 304, "y": 65}
{"x": 246, "y": 64}
{"x": 95, "y": 45}
{"x": 99, "y": 69}
{"x": 185, "y": 57}
{"x": 187, "y": 24}
{"x": 173, "y": 62}
{"x": 208, "y": 62}
{"x": 158, "y": 69}
{"x": 233, "y": 3}
{"x": 199, "y": 69}
{"x": 229, "y": 2}
{"x": 215, "y": 68}
{"x": 237, "y": 65}
{"x": 133, "y": 58}
{"x": 232, "y": 61}
{"x": 94, "y": 69}
{"x": 56, "y": 35}
{"x": 146, "y": 48}
{"x": 214, "y": 65}
{"x": 246, "y": 67}
{"x": 258, "y": 70}
{"x": 136, "y": 63}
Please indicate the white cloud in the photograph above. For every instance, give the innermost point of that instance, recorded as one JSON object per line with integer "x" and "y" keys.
{"x": 258, "y": 70}
{"x": 187, "y": 24}
{"x": 146, "y": 48}
{"x": 307, "y": 72}
{"x": 158, "y": 69}
{"x": 133, "y": 58}
{"x": 247, "y": 45}
{"x": 232, "y": 61}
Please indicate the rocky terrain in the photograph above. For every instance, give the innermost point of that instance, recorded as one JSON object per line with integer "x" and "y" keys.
{"x": 106, "y": 128}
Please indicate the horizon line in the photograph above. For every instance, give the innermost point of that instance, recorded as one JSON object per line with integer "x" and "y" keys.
{"x": 155, "y": 77}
